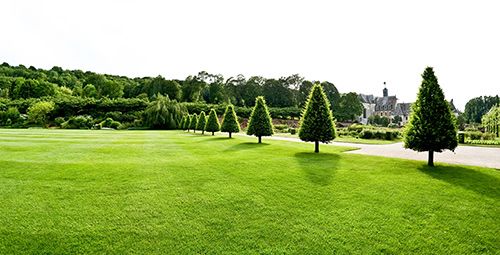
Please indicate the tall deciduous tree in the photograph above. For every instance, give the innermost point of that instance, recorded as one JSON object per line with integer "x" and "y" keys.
{"x": 192, "y": 122}
{"x": 230, "y": 121}
{"x": 317, "y": 123}
{"x": 202, "y": 120}
{"x": 164, "y": 113}
{"x": 212, "y": 124}
{"x": 38, "y": 112}
{"x": 260, "y": 123}
{"x": 432, "y": 126}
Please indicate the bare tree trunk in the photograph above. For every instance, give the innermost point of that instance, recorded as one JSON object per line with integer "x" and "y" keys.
{"x": 260, "y": 139}
{"x": 430, "y": 162}
{"x": 316, "y": 146}
{"x": 212, "y": 133}
{"x": 229, "y": 134}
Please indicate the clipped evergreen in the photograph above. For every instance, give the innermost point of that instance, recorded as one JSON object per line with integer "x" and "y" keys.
{"x": 212, "y": 124}
{"x": 432, "y": 125}
{"x": 260, "y": 123}
{"x": 202, "y": 120}
{"x": 230, "y": 121}
{"x": 186, "y": 123}
{"x": 316, "y": 123}
{"x": 192, "y": 122}
{"x": 181, "y": 124}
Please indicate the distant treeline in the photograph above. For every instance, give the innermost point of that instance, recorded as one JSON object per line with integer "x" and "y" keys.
{"x": 78, "y": 92}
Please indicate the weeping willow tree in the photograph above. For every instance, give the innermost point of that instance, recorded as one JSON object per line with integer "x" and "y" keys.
{"x": 491, "y": 120}
{"x": 164, "y": 113}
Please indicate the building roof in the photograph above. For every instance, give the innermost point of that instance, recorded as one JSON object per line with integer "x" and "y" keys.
{"x": 385, "y": 103}
{"x": 403, "y": 109}
{"x": 368, "y": 99}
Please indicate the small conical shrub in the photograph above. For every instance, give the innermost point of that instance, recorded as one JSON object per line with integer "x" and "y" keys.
{"x": 260, "y": 123}
{"x": 202, "y": 120}
{"x": 316, "y": 123}
{"x": 432, "y": 126}
{"x": 192, "y": 122}
{"x": 230, "y": 121}
{"x": 186, "y": 122}
{"x": 212, "y": 124}
{"x": 181, "y": 124}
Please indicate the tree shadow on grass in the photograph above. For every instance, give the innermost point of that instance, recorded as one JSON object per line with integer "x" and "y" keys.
{"x": 467, "y": 178}
{"x": 318, "y": 167}
{"x": 246, "y": 146}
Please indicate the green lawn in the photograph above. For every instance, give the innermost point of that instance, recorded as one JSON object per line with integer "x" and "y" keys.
{"x": 174, "y": 192}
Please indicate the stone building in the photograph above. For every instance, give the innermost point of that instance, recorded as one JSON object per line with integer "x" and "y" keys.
{"x": 385, "y": 106}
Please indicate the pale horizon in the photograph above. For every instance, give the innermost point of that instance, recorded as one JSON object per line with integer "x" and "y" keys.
{"x": 356, "y": 45}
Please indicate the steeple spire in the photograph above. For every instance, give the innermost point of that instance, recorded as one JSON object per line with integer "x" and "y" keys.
{"x": 385, "y": 91}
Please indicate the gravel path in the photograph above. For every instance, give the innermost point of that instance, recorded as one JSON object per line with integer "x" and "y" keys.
{"x": 463, "y": 155}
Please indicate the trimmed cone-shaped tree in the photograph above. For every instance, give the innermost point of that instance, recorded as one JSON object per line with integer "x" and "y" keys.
{"x": 182, "y": 123}
{"x": 212, "y": 124}
{"x": 260, "y": 123}
{"x": 188, "y": 120}
{"x": 230, "y": 121}
{"x": 192, "y": 122}
{"x": 185, "y": 126}
{"x": 202, "y": 120}
{"x": 432, "y": 126}
{"x": 316, "y": 123}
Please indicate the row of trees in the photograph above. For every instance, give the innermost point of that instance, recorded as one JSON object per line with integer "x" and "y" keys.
{"x": 317, "y": 124}
{"x": 432, "y": 126}
{"x": 19, "y": 82}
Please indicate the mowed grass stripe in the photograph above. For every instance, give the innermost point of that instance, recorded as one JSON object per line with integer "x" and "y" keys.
{"x": 177, "y": 192}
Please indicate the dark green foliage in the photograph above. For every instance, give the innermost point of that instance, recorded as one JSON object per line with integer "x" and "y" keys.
{"x": 10, "y": 116}
{"x": 432, "y": 126}
{"x": 109, "y": 123}
{"x": 212, "y": 124}
{"x": 182, "y": 125}
{"x": 164, "y": 113}
{"x": 377, "y": 120}
{"x": 349, "y": 107}
{"x": 159, "y": 85}
{"x": 316, "y": 124}
{"x": 230, "y": 121}
{"x": 192, "y": 122}
{"x": 260, "y": 122}
{"x": 78, "y": 122}
{"x": 200, "y": 124}
{"x": 477, "y": 107}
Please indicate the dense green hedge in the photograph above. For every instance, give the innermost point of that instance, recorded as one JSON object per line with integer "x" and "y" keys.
{"x": 244, "y": 112}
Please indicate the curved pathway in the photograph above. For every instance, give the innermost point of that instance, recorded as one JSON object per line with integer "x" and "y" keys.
{"x": 463, "y": 155}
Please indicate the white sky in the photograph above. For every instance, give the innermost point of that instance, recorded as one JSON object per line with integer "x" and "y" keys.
{"x": 357, "y": 45}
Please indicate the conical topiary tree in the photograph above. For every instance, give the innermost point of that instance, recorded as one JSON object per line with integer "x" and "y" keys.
{"x": 212, "y": 124}
{"x": 316, "y": 123}
{"x": 192, "y": 122}
{"x": 260, "y": 123}
{"x": 230, "y": 121}
{"x": 432, "y": 126}
{"x": 185, "y": 126}
{"x": 202, "y": 120}
{"x": 181, "y": 124}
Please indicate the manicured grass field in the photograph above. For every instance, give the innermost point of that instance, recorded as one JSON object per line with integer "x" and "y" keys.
{"x": 176, "y": 192}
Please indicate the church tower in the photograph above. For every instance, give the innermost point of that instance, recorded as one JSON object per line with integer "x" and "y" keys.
{"x": 385, "y": 91}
